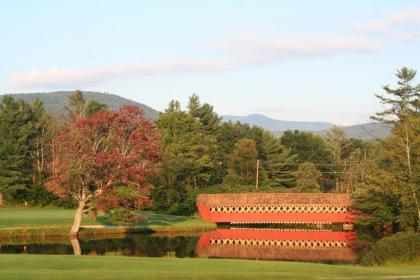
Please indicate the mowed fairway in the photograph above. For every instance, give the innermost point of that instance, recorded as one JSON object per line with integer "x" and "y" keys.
{"x": 46, "y": 217}
{"x": 38, "y": 217}
{"x": 93, "y": 267}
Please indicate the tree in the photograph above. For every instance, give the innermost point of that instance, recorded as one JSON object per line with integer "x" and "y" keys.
{"x": 338, "y": 143}
{"x": 278, "y": 162}
{"x": 378, "y": 200}
{"x": 187, "y": 151}
{"x": 312, "y": 148}
{"x": 76, "y": 106}
{"x": 93, "y": 107}
{"x": 242, "y": 161}
{"x": 104, "y": 161}
{"x": 307, "y": 176}
{"x": 403, "y": 112}
{"x": 209, "y": 120}
{"x": 355, "y": 157}
{"x": 18, "y": 130}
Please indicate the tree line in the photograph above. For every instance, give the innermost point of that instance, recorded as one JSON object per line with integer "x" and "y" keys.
{"x": 91, "y": 158}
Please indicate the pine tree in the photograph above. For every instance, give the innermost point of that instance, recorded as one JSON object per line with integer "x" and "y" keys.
{"x": 17, "y": 123}
{"x": 209, "y": 120}
{"x": 307, "y": 176}
{"x": 93, "y": 107}
{"x": 186, "y": 150}
{"x": 76, "y": 106}
{"x": 403, "y": 114}
{"x": 242, "y": 161}
{"x": 279, "y": 162}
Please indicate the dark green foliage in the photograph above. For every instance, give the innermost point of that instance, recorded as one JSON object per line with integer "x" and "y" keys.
{"x": 312, "y": 148}
{"x": 278, "y": 162}
{"x": 242, "y": 162}
{"x": 120, "y": 216}
{"x": 93, "y": 107}
{"x": 187, "y": 150}
{"x": 25, "y": 152}
{"x": 18, "y": 122}
{"x": 307, "y": 176}
{"x": 209, "y": 120}
{"x": 401, "y": 247}
{"x": 200, "y": 153}
{"x": 388, "y": 194}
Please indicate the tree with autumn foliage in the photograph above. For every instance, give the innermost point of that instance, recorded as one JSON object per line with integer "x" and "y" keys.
{"x": 104, "y": 161}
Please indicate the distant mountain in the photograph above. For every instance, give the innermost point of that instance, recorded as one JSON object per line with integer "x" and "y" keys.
{"x": 54, "y": 102}
{"x": 366, "y": 131}
{"x": 278, "y": 125}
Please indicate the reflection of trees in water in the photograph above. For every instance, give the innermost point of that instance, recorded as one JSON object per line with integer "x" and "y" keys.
{"x": 143, "y": 245}
{"x": 48, "y": 249}
{"x": 131, "y": 245}
{"x": 184, "y": 246}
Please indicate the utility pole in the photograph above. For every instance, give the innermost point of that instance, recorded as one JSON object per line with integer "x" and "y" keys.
{"x": 256, "y": 177}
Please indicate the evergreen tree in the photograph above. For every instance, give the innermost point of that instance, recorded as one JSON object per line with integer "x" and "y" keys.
{"x": 389, "y": 190}
{"x": 93, "y": 107}
{"x": 17, "y": 133}
{"x": 403, "y": 113}
{"x": 337, "y": 142}
{"x": 279, "y": 162}
{"x": 187, "y": 151}
{"x": 76, "y": 106}
{"x": 307, "y": 176}
{"x": 242, "y": 162}
{"x": 209, "y": 120}
{"x": 312, "y": 148}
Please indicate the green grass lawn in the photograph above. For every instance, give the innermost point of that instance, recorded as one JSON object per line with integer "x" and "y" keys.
{"x": 87, "y": 267}
{"x": 171, "y": 223}
{"x": 48, "y": 217}
{"x": 38, "y": 217}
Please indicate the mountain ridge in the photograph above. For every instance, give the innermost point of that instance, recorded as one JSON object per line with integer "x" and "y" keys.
{"x": 364, "y": 131}
{"x": 278, "y": 125}
{"x": 55, "y": 101}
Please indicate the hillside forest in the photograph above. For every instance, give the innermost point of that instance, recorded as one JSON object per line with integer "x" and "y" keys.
{"x": 100, "y": 158}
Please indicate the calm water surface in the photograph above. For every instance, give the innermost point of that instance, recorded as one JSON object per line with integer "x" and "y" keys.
{"x": 270, "y": 244}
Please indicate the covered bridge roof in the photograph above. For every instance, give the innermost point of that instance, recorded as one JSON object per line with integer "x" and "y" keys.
{"x": 273, "y": 198}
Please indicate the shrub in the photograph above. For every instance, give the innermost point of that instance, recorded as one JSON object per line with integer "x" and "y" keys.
{"x": 121, "y": 217}
{"x": 401, "y": 247}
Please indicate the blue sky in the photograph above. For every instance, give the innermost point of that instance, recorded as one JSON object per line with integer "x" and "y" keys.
{"x": 292, "y": 60}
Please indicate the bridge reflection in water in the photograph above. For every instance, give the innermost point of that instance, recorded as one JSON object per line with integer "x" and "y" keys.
{"x": 278, "y": 244}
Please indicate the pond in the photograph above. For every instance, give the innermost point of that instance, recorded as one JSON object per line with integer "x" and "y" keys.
{"x": 324, "y": 246}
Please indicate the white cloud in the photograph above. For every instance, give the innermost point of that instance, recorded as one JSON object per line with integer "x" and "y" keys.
{"x": 59, "y": 77}
{"x": 401, "y": 26}
{"x": 410, "y": 15}
{"x": 241, "y": 51}
{"x": 285, "y": 47}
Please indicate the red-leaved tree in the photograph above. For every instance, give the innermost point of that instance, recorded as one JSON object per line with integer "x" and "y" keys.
{"x": 103, "y": 161}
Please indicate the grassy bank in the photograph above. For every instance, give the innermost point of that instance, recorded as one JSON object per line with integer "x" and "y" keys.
{"x": 38, "y": 217}
{"x": 86, "y": 267}
{"x": 43, "y": 222}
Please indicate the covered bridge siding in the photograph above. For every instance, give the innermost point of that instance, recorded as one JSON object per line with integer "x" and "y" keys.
{"x": 276, "y": 208}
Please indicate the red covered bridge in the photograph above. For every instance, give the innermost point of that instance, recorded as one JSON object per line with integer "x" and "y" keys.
{"x": 276, "y": 208}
